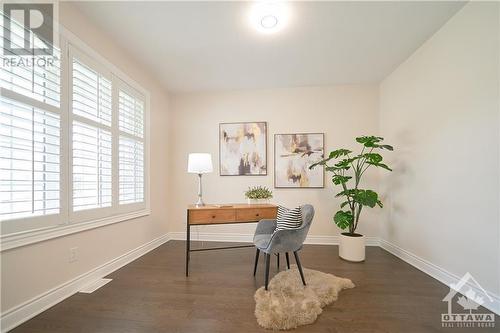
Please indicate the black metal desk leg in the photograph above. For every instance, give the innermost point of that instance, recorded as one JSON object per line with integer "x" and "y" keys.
{"x": 188, "y": 237}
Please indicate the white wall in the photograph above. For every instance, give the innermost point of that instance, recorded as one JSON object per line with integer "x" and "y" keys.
{"x": 440, "y": 110}
{"x": 29, "y": 271}
{"x": 341, "y": 112}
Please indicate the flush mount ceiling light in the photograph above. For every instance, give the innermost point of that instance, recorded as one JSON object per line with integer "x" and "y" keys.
{"x": 269, "y": 21}
{"x": 269, "y": 17}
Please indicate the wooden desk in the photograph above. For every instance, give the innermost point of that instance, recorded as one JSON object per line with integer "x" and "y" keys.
{"x": 224, "y": 214}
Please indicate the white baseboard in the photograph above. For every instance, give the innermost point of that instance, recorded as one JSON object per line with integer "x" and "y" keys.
{"x": 437, "y": 272}
{"x": 95, "y": 285}
{"x": 27, "y": 310}
{"x": 247, "y": 238}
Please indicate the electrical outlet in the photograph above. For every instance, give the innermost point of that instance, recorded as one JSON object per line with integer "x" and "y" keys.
{"x": 73, "y": 254}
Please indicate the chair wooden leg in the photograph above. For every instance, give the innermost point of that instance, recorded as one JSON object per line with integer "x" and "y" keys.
{"x": 287, "y": 260}
{"x": 268, "y": 259}
{"x": 256, "y": 262}
{"x": 278, "y": 260}
{"x": 300, "y": 267}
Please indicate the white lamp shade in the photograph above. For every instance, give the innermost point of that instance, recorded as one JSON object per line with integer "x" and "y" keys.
{"x": 200, "y": 163}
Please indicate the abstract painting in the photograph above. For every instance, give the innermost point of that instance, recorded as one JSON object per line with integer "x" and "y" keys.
{"x": 243, "y": 149}
{"x": 293, "y": 154}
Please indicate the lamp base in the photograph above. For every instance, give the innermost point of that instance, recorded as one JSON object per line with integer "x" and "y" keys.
{"x": 200, "y": 202}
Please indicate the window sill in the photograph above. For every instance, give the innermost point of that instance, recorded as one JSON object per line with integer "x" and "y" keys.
{"x": 14, "y": 240}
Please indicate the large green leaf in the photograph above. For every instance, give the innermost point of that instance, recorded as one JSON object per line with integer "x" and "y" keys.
{"x": 373, "y": 142}
{"x": 338, "y": 179}
{"x": 333, "y": 155}
{"x": 334, "y": 168}
{"x": 322, "y": 162}
{"x": 388, "y": 147}
{"x": 373, "y": 157}
{"x": 339, "y": 152}
{"x": 343, "y": 219}
{"x": 369, "y": 141}
{"x": 380, "y": 165}
{"x": 366, "y": 198}
{"x": 345, "y": 163}
{"x": 349, "y": 193}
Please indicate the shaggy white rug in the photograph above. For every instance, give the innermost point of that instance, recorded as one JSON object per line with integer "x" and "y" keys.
{"x": 288, "y": 304}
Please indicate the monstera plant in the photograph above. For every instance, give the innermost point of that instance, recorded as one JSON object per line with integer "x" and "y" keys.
{"x": 348, "y": 170}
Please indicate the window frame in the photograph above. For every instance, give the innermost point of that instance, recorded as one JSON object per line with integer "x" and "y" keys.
{"x": 40, "y": 228}
{"x": 100, "y": 212}
{"x": 41, "y": 221}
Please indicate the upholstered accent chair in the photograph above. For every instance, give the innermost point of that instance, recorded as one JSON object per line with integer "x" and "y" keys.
{"x": 269, "y": 241}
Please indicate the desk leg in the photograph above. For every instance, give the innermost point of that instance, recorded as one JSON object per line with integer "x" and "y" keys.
{"x": 188, "y": 241}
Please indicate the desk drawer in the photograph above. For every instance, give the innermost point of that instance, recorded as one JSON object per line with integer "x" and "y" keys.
{"x": 207, "y": 216}
{"x": 255, "y": 214}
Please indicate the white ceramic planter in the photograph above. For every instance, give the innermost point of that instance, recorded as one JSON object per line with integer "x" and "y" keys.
{"x": 352, "y": 248}
{"x": 257, "y": 201}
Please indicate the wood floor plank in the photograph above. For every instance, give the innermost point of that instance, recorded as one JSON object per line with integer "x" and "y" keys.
{"x": 152, "y": 294}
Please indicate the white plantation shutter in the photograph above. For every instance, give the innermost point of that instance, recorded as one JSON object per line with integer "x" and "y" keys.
{"x": 91, "y": 94}
{"x": 131, "y": 114}
{"x": 91, "y": 167}
{"x": 30, "y": 161}
{"x": 131, "y": 170}
{"x": 131, "y": 148}
{"x": 30, "y": 137}
{"x": 91, "y": 138}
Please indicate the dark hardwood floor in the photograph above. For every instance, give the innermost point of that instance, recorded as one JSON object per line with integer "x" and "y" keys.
{"x": 152, "y": 294}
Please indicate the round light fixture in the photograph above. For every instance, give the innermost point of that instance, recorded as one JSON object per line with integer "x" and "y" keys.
{"x": 269, "y": 16}
{"x": 269, "y": 21}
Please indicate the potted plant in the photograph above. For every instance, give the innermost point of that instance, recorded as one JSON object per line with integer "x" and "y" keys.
{"x": 348, "y": 170}
{"x": 258, "y": 195}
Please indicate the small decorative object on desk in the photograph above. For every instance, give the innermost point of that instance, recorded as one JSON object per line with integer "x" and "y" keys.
{"x": 258, "y": 195}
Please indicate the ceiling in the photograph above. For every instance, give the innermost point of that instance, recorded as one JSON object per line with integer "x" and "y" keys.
{"x": 208, "y": 46}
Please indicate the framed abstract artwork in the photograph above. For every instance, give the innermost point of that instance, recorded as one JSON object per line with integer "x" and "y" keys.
{"x": 243, "y": 149}
{"x": 293, "y": 154}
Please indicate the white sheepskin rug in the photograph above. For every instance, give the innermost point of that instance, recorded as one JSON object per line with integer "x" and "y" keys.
{"x": 288, "y": 304}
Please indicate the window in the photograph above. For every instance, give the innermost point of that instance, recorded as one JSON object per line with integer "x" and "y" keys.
{"x": 30, "y": 160}
{"x": 131, "y": 148}
{"x": 73, "y": 141}
{"x": 107, "y": 141}
{"x": 30, "y": 141}
{"x": 91, "y": 138}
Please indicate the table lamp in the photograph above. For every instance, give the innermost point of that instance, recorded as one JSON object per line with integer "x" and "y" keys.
{"x": 199, "y": 163}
